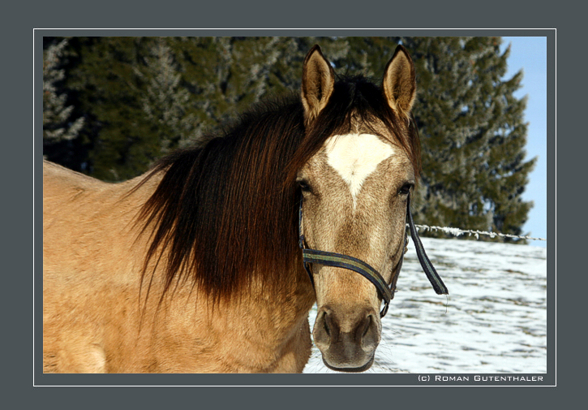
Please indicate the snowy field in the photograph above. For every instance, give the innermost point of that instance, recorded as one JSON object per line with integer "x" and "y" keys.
{"x": 494, "y": 320}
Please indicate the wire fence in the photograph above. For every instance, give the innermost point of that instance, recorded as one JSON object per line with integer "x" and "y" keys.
{"x": 459, "y": 232}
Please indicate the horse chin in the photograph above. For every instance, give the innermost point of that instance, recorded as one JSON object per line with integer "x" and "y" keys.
{"x": 351, "y": 369}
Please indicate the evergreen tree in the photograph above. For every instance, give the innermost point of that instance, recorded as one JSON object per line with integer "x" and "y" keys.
{"x": 166, "y": 103}
{"x": 285, "y": 74}
{"x": 142, "y": 97}
{"x": 367, "y": 56}
{"x": 472, "y": 135}
{"x": 58, "y": 124}
{"x": 226, "y": 75}
{"x": 111, "y": 93}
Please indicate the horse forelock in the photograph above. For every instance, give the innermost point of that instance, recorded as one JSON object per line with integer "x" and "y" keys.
{"x": 226, "y": 212}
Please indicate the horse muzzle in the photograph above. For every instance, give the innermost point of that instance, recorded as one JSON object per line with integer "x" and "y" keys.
{"x": 347, "y": 340}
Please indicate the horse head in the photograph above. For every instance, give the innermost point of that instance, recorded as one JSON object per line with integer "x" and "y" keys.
{"x": 355, "y": 190}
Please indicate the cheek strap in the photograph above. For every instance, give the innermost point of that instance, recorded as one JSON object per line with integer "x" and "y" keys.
{"x": 426, "y": 264}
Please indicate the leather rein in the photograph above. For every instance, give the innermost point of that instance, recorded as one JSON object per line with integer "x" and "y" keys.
{"x": 385, "y": 291}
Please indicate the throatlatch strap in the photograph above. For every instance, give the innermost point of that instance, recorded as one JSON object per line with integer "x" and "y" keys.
{"x": 426, "y": 264}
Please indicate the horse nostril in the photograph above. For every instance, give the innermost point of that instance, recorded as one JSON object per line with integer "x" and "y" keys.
{"x": 326, "y": 324}
{"x": 367, "y": 325}
{"x": 370, "y": 336}
{"x": 325, "y": 329}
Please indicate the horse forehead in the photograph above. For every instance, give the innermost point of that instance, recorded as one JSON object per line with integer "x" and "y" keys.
{"x": 356, "y": 156}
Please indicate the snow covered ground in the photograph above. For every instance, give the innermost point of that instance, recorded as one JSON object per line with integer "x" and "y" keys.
{"x": 494, "y": 320}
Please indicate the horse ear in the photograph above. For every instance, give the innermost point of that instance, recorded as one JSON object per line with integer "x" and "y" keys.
{"x": 318, "y": 81}
{"x": 399, "y": 82}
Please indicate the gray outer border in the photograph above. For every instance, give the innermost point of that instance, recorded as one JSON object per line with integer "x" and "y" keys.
{"x": 372, "y": 380}
{"x": 20, "y": 18}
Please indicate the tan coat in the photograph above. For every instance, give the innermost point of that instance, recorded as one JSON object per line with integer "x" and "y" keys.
{"x": 94, "y": 322}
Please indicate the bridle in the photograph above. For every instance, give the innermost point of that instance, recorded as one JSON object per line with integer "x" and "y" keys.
{"x": 385, "y": 291}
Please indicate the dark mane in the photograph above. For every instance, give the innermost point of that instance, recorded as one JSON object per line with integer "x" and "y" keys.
{"x": 226, "y": 212}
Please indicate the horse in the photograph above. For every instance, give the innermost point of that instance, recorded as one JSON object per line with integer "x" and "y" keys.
{"x": 204, "y": 264}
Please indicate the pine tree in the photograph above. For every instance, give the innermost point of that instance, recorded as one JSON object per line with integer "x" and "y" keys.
{"x": 166, "y": 103}
{"x": 142, "y": 97}
{"x": 285, "y": 74}
{"x": 58, "y": 124}
{"x": 226, "y": 75}
{"x": 472, "y": 135}
{"x": 111, "y": 93}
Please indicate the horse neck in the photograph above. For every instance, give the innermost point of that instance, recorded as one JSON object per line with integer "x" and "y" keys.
{"x": 292, "y": 296}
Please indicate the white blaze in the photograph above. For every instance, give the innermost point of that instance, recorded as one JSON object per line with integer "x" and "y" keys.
{"x": 355, "y": 157}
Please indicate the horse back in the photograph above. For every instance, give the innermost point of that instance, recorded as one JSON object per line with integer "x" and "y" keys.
{"x": 82, "y": 211}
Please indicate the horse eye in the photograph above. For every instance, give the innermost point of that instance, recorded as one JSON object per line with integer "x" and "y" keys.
{"x": 405, "y": 190}
{"x": 304, "y": 185}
